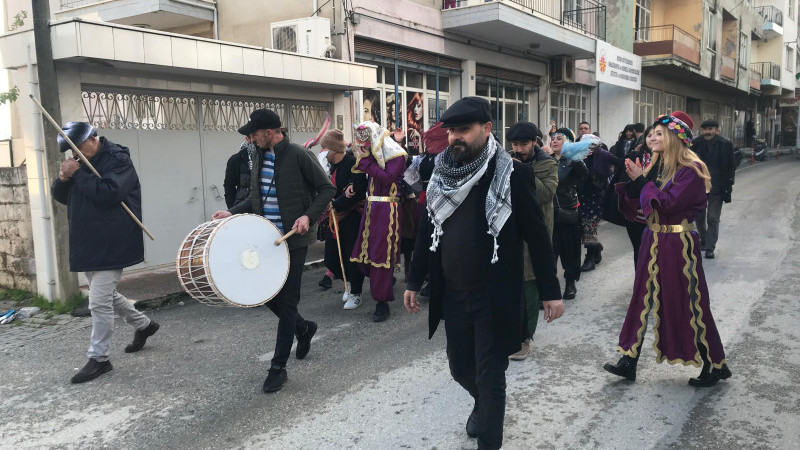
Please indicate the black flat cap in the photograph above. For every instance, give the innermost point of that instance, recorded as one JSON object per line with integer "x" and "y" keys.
{"x": 261, "y": 119}
{"x": 77, "y": 132}
{"x": 522, "y": 131}
{"x": 710, "y": 123}
{"x": 466, "y": 111}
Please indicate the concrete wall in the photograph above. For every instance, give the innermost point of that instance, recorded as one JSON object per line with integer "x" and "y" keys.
{"x": 17, "y": 264}
{"x": 685, "y": 14}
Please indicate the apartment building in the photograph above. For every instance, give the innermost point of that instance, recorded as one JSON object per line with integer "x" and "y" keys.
{"x": 732, "y": 60}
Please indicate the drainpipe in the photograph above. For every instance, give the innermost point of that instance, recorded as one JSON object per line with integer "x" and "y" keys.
{"x": 38, "y": 146}
{"x": 316, "y": 8}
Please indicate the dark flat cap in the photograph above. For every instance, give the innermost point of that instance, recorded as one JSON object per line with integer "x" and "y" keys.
{"x": 77, "y": 132}
{"x": 261, "y": 119}
{"x": 710, "y": 123}
{"x": 522, "y": 131}
{"x": 466, "y": 111}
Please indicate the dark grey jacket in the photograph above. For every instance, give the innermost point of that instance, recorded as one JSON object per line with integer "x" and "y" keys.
{"x": 302, "y": 187}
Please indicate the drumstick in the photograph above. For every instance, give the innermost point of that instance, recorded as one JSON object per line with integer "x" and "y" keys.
{"x": 339, "y": 246}
{"x": 88, "y": 164}
{"x": 286, "y": 236}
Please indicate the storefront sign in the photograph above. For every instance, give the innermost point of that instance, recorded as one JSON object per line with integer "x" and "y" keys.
{"x": 618, "y": 67}
{"x": 791, "y": 101}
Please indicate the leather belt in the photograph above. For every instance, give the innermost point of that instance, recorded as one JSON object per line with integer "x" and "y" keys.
{"x": 657, "y": 228}
{"x": 375, "y": 198}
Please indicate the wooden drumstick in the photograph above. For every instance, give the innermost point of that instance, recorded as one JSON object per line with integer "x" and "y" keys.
{"x": 286, "y": 236}
{"x": 339, "y": 247}
{"x": 88, "y": 164}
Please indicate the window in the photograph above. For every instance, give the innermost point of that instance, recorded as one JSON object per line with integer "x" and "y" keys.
{"x": 570, "y": 105}
{"x": 711, "y": 31}
{"x": 744, "y": 50}
{"x": 647, "y": 105}
{"x": 791, "y": 9}
{"x": 642, "y": 21}
{"x": 511, "y": 110}
{"x": 788, "y": 61}
{"x": 674, "y": 102}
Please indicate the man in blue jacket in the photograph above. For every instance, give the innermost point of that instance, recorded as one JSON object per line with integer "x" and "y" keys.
{"x": 103, "y": 239}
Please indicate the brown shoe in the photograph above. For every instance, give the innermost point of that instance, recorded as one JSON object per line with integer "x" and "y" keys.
{"x": 524, "y": 352}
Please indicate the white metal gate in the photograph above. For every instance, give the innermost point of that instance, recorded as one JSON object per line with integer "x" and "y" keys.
{"x": 180, "y": 145}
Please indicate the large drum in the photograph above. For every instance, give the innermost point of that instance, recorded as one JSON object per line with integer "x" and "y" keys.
{"x": 233, "y": 261}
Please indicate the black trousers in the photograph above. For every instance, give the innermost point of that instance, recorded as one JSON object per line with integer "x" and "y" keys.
{"x": 475, "y": 363}
{"x": 567, "y": 245}
{"x": 348, "y": 234}
{"x": 635, "y": 230}
{"x": 284, "y": 305}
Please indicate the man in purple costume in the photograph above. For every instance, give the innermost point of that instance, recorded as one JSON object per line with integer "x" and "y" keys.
{"x": 670, "y": 282}
{"x": 376, "y": 249}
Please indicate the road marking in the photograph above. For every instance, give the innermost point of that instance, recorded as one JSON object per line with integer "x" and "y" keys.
{"x": 317, "y": 337}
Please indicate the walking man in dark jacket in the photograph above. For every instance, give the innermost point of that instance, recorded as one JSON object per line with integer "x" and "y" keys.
{"x": 481, "y": 206}
{"x": 103, "y": 239}
{"x": 717, "y": 153}
{"x": 290, "y": 189}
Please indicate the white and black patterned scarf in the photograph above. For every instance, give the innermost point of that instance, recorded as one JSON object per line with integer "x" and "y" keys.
{"x": 451, "y": 183}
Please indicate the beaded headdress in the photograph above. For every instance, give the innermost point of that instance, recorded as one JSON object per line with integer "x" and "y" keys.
{"x": 677, "y": 126}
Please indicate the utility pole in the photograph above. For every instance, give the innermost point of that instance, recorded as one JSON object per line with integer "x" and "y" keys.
{"x": 66, "y": 281}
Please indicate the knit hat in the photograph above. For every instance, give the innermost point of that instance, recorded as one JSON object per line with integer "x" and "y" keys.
{"x": 569, "y": 134}
{"x": 677, "y": 123}
{"x": 333, "y": 140}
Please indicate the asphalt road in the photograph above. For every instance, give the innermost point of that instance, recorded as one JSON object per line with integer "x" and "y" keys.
{"x": 197, "y": 384}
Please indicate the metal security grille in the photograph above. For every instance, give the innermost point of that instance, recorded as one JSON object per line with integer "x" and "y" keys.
{"x": 106, "y": 109}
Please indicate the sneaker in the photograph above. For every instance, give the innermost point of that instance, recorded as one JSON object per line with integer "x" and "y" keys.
{"x": 92, "y": 370}
{"x": 140, "y": 337}
{"x": 345, "y": 294}
{"x": 326, "y": 282}
{"x": 524, "y": 352}
{"x": 276, "y": 378}
{"x": 304, "y": 341}
{"x": 353, "y": 301}
{"x": 381, "y": 312}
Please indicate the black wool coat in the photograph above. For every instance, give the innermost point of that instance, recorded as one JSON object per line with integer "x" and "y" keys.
{"x": 506, "y": 277}
{"x": 102, "y": 236}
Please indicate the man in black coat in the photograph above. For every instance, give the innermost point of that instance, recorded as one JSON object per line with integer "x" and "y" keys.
{"x": 481, "y": 205}
{"x": 717, "y": 153}
{"x": 103, "y": 239}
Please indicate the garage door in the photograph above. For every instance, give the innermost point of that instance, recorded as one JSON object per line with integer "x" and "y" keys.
{"x": 180, "y": 145}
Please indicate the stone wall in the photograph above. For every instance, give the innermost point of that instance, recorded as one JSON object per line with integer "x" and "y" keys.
{"x": 17, "y": 265}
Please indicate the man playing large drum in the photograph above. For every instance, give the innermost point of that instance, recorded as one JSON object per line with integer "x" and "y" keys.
{"x": 289, "y": 188}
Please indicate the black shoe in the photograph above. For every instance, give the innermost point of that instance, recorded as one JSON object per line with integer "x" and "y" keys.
{"x": 92, "y": 370}
{"x": 325, "y": 282}
{"x": 598, "y": 253}
{"x": 140, "y": 337}
{"x": 304, "y": 340}
{"x": 708, "y": 379}
{"x": 426, "y": 290}
{"x": 625, "y": 367}
{"x": 588, "y": 262}
{"x": 570, "y": 290}
{"x": 472, "y": 422}
{"x": 381, "y": 312}
{"x": 710, "y": 254}
{"x": 275, "y": 379}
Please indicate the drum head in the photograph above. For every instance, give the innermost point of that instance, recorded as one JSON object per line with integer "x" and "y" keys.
{"x": 245, "y": 265}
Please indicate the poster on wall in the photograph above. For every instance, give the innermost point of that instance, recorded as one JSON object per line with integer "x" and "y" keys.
{"x": 371, "y": 106}
{"x": 391, "y": 110}
{"x": 415, "y": 117}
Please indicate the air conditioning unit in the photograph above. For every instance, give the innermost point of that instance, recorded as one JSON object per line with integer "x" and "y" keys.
{"x": 309, "y": 36}
{"x": 563, "y": 70}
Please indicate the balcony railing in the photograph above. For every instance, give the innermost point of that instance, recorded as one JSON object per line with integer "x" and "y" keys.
{"x": 766, "y": 70}
{"x": 755, "y": 80}
{"x": 591, "y": 19}
{"x": 667, "y": 40}
{"x": 770, "y": 14}
{"x": 728, "y": 69}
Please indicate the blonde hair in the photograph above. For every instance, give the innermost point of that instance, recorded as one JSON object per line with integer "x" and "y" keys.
{"x": 676, "y": 155}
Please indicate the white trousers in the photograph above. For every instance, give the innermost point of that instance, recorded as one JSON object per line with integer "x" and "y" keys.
{"x": 104, "y": 300}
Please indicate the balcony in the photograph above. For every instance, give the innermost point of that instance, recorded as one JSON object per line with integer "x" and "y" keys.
{"x": 543, "y": 27}
{"x": 728, "y": 69}
{"x": 773, "y": 20}
{"x": 769, "y": 73}
{"x": 667, "y": 42}
{"x": 152, "y": 14}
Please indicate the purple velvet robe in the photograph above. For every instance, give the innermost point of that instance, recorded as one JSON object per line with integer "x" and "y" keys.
{"x": 669, "y": 276}
{"x": 378, "y": 243}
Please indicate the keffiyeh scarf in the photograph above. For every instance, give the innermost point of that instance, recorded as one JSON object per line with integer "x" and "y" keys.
{"x": 451, "y": 183}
